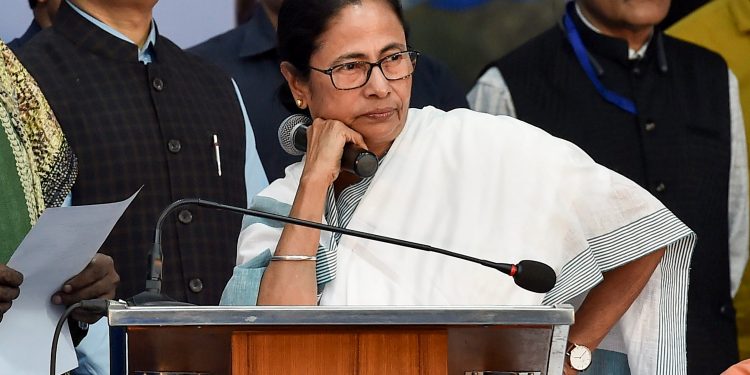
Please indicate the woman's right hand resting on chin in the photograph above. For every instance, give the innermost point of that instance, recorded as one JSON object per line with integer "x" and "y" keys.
{"x": 293, "y": 282}
{"x": 325, "y": 146}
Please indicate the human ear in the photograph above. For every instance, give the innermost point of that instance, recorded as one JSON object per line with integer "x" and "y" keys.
{"x": 299, "y": 87}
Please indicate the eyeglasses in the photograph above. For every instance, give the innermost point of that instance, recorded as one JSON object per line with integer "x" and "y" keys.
{"x": 355, "y": 74}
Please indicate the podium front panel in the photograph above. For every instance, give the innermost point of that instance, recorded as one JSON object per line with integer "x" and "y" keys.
{"x": 340, "y": 340}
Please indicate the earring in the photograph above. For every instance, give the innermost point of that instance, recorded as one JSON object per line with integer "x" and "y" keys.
{"x": 300, "y": 103}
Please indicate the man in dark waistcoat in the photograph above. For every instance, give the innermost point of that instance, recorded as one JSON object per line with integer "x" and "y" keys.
{"x": 662, "y": 112}
{"x": 138, "y": 111}
{"x": 248, "y": 53}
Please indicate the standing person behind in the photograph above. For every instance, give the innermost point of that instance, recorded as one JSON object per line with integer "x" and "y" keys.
{"x": 723, "y": 26}
{"x": 662, "y": 112}
{"x": 249, "y": 54}
{"x": 44, "y": 12}
{"x": 37, "y": 170}
{"x": 141, "y": 112}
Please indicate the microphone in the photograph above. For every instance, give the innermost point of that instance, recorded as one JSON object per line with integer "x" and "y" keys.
{"x": 293, "y": 139}
{"x": 528, "y": 274}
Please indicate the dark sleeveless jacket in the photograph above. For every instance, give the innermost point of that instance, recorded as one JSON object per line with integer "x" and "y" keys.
{"x": 677, "y": 147}
{"x": 134, "y": 125}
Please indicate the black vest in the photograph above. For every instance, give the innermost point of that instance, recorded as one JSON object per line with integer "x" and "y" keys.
{"x": 134, "y": 125}
{"x": 677, "y": 147}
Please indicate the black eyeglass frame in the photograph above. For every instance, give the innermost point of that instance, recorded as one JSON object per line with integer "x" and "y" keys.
{"x": 413, "y": 55}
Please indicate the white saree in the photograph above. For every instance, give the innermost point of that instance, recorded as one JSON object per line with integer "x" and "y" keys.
{"x": 496, "y": 188}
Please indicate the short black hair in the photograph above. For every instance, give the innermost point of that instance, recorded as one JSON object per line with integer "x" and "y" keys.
{"x": 300, "y": 24}
{"x": 32, "y": 4}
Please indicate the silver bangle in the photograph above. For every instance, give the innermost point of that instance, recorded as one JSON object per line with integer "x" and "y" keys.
{"x": 294, "y": 257}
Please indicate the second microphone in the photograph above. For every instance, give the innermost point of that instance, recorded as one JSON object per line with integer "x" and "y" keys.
{"x": 293, "y": 139}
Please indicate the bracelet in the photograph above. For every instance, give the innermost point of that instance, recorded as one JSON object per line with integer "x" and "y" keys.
{"x": 294, "y": 257}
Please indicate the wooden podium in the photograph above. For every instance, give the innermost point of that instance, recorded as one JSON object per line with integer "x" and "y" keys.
{"x": 349, "y": 340}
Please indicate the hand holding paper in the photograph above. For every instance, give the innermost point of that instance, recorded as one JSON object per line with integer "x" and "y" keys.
{"x": 10, "y": 280}
{"x": 61, "y": 244}
{"x": 97, "y": 281}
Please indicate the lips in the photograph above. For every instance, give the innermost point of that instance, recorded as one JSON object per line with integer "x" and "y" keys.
{"x": 380, "y": 114}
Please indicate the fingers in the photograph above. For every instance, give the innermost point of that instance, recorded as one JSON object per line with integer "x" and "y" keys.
{"x": 332, "y": 132}
{"x": 326, "y": 140}
{"x": 99, "y": 266}
{"x": 10, "y": 280}
{"x": 4, "y": 307}
{"x": 98, "y": 280}
{"x": 356, "y": 138}
{"x": 10, "y": 277}
{"x": 8, "y": 293}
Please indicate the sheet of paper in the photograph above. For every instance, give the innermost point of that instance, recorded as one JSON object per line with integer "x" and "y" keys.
{"x": 58, "y": 247}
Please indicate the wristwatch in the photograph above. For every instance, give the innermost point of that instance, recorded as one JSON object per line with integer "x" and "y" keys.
{"x": 579, "y": 357}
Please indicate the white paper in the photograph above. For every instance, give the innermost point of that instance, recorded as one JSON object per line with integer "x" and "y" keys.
{"x": 58, "y": 247}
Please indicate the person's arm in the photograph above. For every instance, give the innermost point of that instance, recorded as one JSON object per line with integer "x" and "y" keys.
{"x": 607, "y": 302}
{"x": 739, "y": 220}
{"x": 293, "y": 282}
{"x": 10, "y": 280}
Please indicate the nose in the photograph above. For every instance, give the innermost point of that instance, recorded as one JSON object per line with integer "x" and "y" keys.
{"x": 378, "y": 85}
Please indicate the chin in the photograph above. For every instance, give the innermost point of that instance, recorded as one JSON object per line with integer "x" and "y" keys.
{"x": 380, "y": 132}
{"x": 648, "y": 14}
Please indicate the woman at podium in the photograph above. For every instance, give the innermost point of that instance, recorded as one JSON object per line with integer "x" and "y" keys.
{"x": 490, "y": 187}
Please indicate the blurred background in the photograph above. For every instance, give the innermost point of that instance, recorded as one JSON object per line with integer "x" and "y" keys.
{"x": 464, "y": 34}
{"x": 468, "y": 37}
{"x": 185, "y": 22}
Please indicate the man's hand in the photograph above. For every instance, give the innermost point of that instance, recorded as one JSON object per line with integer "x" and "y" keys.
{"x": 97, "y": 281}
{"x": 10, "y": 280}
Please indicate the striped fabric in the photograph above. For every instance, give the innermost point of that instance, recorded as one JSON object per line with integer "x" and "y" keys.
{"x": 338, "y": 213}
{"x": 615, "y": 249}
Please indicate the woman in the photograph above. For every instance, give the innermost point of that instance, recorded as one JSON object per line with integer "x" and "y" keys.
{"x": 489, "y": 187}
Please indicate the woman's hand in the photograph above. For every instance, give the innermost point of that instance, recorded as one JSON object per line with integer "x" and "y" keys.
{"x": 325, "y": 146}
{"x": 294, "y": 282}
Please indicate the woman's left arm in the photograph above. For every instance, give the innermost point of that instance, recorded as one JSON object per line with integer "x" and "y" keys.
{"x": 607, "y": 302}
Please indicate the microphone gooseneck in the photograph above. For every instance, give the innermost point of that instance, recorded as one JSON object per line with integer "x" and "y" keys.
{"x": 293, "y": 139}
{"x": 152, "y": 295}
{"x": 528, "y": 274}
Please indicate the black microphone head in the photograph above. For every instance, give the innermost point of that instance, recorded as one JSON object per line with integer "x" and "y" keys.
{"x": 535, "y": 276}
{"x": 287, "y": 131}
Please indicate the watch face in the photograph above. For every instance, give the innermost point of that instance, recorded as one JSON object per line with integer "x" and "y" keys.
{"x": 580, "y": 357}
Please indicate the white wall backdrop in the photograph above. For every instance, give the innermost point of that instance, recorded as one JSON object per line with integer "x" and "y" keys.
{"x": 185, "y": 22}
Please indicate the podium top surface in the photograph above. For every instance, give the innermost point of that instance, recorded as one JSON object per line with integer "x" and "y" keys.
{"x": 122, "y": 315}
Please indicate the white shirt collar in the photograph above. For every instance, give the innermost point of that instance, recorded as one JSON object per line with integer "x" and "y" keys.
{"x": 144, "y": 53}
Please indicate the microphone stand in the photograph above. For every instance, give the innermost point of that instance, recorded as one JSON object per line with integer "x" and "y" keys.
{"x": 153, "y": 296}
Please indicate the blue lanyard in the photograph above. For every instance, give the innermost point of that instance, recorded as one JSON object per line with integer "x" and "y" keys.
{"x": 574, "y": 38}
